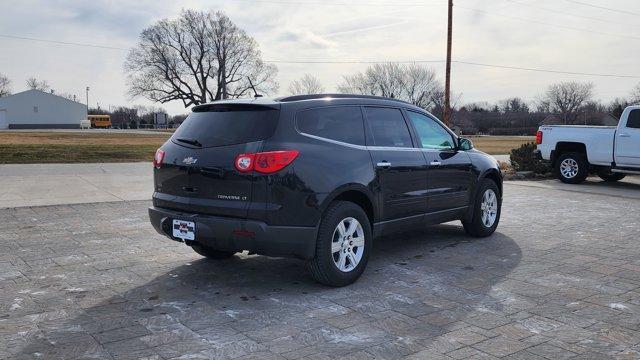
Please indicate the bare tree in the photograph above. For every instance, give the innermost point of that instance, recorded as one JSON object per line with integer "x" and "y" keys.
{"x": 412, "y": 83}
{"x": 308, "y": 84}
{"x": 513, "y": 105}
{"x": 566, "y": 99}
{"x": 635, "y": 95}
{"x": 35, "y": 84}
{"x": 198, "y": 57}
{"x": 5, "y": 86}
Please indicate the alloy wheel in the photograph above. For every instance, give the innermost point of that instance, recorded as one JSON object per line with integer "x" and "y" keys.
{"x": 347, "y": 246}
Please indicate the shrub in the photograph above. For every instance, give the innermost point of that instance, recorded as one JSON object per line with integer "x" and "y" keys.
{"x": 522, "y": 159}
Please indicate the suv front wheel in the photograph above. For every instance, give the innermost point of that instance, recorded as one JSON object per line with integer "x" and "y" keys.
{"x": 343, "y": 245}
{"x": 486, "y": 211}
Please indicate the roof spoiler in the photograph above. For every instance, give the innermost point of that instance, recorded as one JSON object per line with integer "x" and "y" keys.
{"x": 230, "y": 106}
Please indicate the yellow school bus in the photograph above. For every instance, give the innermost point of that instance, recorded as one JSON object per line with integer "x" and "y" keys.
{"x": 100, "y": 121}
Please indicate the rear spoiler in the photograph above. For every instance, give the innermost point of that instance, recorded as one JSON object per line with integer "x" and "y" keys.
{"x": 235, "y": 106}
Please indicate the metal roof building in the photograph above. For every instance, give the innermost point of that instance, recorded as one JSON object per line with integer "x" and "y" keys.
{"x": 35, "y": 109}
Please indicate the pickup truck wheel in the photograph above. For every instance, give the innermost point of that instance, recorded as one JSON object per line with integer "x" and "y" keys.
{"x": 608, "y": 176}
{"x": 210, "y": 252}
{"x": 572, "y": 168}
{"x": 343, "y": 245}
{"x": 486, "y": 211}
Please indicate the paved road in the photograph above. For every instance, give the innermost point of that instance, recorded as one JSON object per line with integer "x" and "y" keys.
{"x": 55, "y": 184}
{"x": 560, "y": 279}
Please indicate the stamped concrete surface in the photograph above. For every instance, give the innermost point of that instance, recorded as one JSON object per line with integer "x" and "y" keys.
{"x": 560, "y": 279}
{"x": 54, "y": 184}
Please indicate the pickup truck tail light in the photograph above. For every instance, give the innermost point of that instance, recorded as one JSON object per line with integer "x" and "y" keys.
{"x": 539, "y": 137}
{"x": 265, "y": 162}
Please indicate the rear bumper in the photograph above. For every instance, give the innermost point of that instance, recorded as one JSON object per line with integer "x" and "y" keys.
{"x": 230, "y": 234}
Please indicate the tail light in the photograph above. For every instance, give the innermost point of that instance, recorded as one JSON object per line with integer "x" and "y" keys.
{"x": 265, "y": 162}
{"x": 539, "y": 137}
{"x": 158, "y": 159}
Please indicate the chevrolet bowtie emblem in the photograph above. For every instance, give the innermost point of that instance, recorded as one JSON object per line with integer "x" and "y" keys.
{"x": 190, "y": 160}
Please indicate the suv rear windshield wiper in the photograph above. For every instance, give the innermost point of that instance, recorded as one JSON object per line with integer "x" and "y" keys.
{"x": 190, "y": 141}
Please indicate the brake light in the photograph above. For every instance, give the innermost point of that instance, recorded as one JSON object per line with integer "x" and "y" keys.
{"x": 265, "y": 162}
{"x": 158, "y": 159}
{"x": 539, "y": 137}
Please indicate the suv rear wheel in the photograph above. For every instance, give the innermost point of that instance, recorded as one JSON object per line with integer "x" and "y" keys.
{"x": 343, "y": 245}
{"x": 486, "y": 212}
{"x": 211, "y": 253}
{"x": 572, "y": 168}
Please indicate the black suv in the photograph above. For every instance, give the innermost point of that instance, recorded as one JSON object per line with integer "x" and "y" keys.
{"x": 317, "y": 177}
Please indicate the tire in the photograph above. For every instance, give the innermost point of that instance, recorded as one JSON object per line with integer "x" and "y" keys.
{"x": 325, "y": 266}
{"x": 572, "y": 168}
{"x": 211, "y": 253}
{"x": 608, "y": 176}
{"x": 483, "y": 224}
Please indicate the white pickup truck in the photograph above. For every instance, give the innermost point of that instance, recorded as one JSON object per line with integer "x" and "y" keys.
{"x": 575, "y": 151}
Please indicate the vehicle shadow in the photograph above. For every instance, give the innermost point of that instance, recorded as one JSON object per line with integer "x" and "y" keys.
{"x": 416, "y": 286}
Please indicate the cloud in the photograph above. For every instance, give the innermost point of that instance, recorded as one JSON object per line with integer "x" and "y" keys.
{"x": 305, "y": 38}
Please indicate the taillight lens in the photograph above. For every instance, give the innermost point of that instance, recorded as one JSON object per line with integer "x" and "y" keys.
{"x": 265, "y": 162}
{"x": 244, "y": 162}
{"x": 539, "y": 137}
{"x": 158, "y": 159}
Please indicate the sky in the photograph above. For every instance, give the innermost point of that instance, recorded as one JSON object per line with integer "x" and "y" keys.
{"x": 565, "y": 35}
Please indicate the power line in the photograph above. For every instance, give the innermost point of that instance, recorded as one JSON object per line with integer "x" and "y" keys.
{"x": 62, "y": 42}
{"x": 355, "y": 62}
{"x": 548, "y": 24}
{"x": 603, "y": 8}
{"x": 366, "y": 62}
{"x": 566, "y": 13}
{"x": 547, "y": 70}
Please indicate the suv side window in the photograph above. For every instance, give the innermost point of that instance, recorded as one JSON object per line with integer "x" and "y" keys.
{"x": 432, "y": 135}
{"x": 388, "y": 127}
{"x": 634, "y": 119}
{"x": 340, "y": 123}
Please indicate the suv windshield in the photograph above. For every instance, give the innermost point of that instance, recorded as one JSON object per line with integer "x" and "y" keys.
{"x": 226, "y": 126}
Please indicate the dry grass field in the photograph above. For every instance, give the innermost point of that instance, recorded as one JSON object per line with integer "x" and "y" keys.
{"x": 499, "y": 145}
{"x": 18, "y": 147}
{"x": 22, "y": 147}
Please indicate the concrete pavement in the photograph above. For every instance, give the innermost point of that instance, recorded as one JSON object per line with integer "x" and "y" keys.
{"x": 56, "y": 184}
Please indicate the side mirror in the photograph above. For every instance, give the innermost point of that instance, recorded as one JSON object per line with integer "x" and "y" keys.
{"x": 465, "y": 144}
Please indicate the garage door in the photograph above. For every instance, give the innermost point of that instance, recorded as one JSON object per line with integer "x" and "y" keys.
{"x": 3, "y": 119}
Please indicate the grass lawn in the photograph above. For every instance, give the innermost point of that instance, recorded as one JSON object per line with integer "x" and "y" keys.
{"x": 76, "y": 147}
{"x": 17, "y": 147}
{"x": 499, "y": 145}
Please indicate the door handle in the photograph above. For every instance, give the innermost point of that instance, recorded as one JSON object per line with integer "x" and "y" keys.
{"x": 624, "y": 135}
{"x": 435, "y": 163}
{"x": 384, "y": 165}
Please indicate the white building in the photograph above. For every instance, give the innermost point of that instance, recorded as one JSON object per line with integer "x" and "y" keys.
{"x": 35, "y": 109}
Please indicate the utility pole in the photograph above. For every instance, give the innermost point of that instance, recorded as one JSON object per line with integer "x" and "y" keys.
{"x": 87, "y": 100}
{"x": 447, "y": 82}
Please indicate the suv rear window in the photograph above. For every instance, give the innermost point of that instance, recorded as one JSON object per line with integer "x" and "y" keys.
{"x": 218, "y": 126}
{"x": 340, "y": 123}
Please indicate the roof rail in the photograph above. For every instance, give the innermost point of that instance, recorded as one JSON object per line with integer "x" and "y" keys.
{"x": 334, "y": 96}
